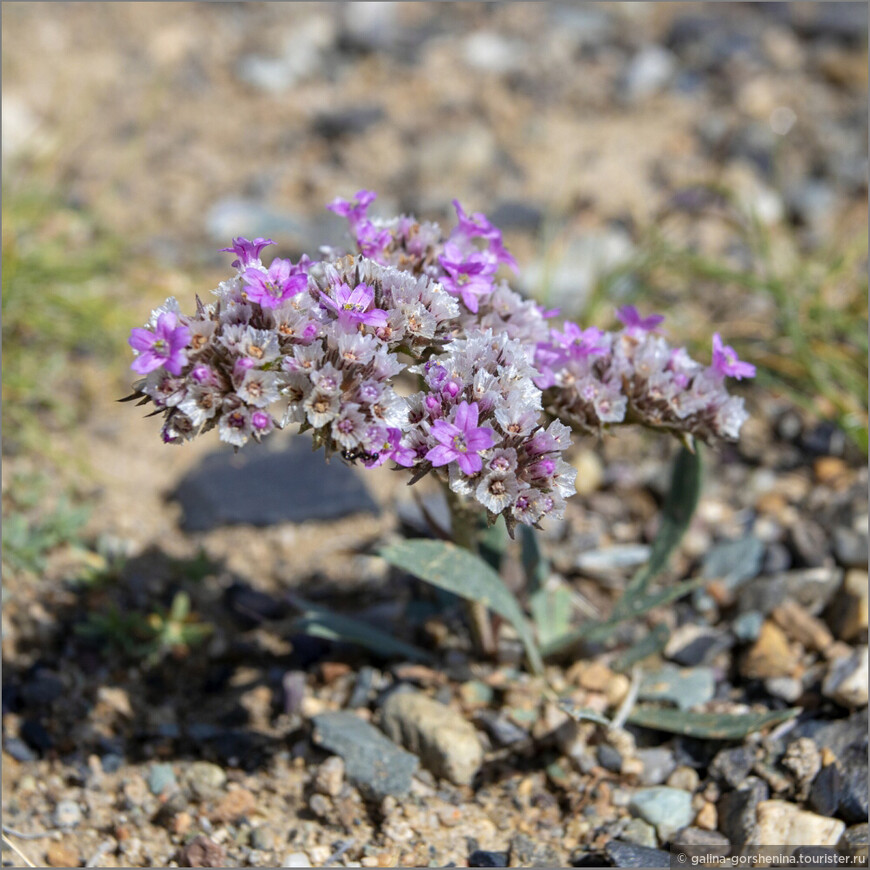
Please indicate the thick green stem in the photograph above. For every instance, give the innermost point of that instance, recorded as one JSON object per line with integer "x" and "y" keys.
{"x": 465, "y": 522}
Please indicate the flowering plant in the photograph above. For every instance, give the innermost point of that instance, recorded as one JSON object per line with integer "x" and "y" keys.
{"x": 323, "y": 343}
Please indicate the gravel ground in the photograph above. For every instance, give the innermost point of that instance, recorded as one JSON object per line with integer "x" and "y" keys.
{"x": 572, "y": 126}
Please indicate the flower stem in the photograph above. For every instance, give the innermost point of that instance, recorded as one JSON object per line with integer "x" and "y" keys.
{"x": 465, "y": 524}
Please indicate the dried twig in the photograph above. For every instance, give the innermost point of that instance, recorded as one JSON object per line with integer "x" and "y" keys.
{"x": 18, "y": 851}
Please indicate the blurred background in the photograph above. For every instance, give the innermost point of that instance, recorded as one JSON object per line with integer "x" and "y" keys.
{"x": 708, "y": 160}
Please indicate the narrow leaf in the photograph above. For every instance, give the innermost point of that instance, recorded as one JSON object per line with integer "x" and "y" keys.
{"x": 457, "y": 570}
{"x": 707, "y": 726}
{"x": 551, "y": 612}
{"x": 537, "y": 568}
{"x": 649, "y": 645}
{"x": 580, "y": 713}
{"x": 676, "y": 514}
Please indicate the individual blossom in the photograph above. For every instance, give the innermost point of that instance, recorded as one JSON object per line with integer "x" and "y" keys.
{"x": 630, "y": 317}
{"x": 248, "y": 252}
{"x": 354, "y": 210}
{"x": 163, "y": 348}
{"x": 276, "y": 285}
{"x": 468, "y": 277}
{"x": 461, "y": 441}
{"x": 390, "y": 447}
{"x": 727, "y": 363}
{"x": 354, "y": 307}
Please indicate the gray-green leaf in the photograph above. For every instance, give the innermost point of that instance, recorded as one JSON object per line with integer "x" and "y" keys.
{"x": 708, "y": 726}
{"x": 458, "y": 571}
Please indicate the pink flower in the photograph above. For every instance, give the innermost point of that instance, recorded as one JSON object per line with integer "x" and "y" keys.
{"x": 461, "y": 441}
{"x": 163, "y": 347}
{"x": 354, "y": 210}
{"x": 727, "y": 363}
{"x": 630, "y": 317}
{"x": 270, "y": 289}
{"x": 247, "y": 251}
{"x": 392, "y": 449}
{"x": 353, "y": 306}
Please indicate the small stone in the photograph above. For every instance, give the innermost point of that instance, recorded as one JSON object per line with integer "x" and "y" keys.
{"x": 803, "y": 759}
{"x": 491, "y": 52}
{"x": 733, "y": 563}
{"x": 658, "y": 765}
{"x": 802, "y": 626}
{"x": 330, "y": 776}
{"x": 854, "y": 841}
{"x": 297, "y": 859}
{"x": 349, "y": 121}
{"x": 826, "y": 789}
{"x": 770, "y": 655}
{"x": 692, "y": 645}
{"x": 609, "y": 758}
{"x": 62, "y": 854}
{"x": 669, "y": 809}
{"x": 850, "y": 548}
{"x": 590, "y": 471}
{"x": 18, "y": 749}
{"x": 846, "y": 680}
{"x": 684, "y": 778}
{"x": 373, "y": 763}
{"x": 747, "y": 626}
{"x": 783, "y": 824}
{"x": 180, "y": 823}
{"x": 648, "y": 72}
{"x": 848, "y": 614}
{"x": 809, "y": 542}
{"x": 640, "y": 832}
{"x": 608, "y": 561}
{"x": 161, "y": 778}
{"x": 707, "y": 818}
{"x": 67, "y": 814}
{"x": 853, "y": 804}
{"x": 485, "y": 858}
{"x": 632, "y": 855}
{"x": 263, "y": 838}
{"x": 115, "y": 699}
{"x": 695, "y": 836}
{"x": 446, "y": 743}
{"x": 475, "y": 693}
{"x": 787, "y": 688}
{"x": 737, "y": 810}
{"x": 500, "y": 728}
{"x": 686, "y": 687}
{"x": 234, "y": 805}
{"x": 205, "y": 780}
{"x": 525, "y": 852}
{"x": 201, "y": 852}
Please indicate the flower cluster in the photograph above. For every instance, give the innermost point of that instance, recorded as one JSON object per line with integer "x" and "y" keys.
{"x": 593, "y": 379}
{"x": 323, "y": 343}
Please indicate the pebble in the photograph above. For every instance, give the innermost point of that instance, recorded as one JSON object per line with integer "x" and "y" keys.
{"x": 446, "y": 743}
{"x": 809, "y": 542}
{"x": 640, "y": 832}
{"x": 849, "y": 609}
{"x": 826, "y": 789}
{"x": 234, "y": 805}
{"x": 789, "y": 689}
{"x": 485, "y": 858}
{"x": 609, "y": 758}
{"x": 633, "y": 855}
{"x": 854, "y": 841}
{"x": 692, "y": 645}
{"x": 373, "y": 763}
{"x": 707, "y": 818}
{"x": 67, "y": 814}
{"x": 669, "y": 809}
{"x": 297, "y": 859}
{"x": 525, "y": 852}
{"x": 770, "y": 655}
{"x": 590, "y": 472}
{"x": 500, "y": 728}
{"x": 329, "y": 778}
{"x": 490, "y": 52}
{"x": 846, "y": 680}
{"x": 747, "y": 626}
{"x": 205, "y": 780}
{"x": 684, "y": 778}
{"x": 853, "y": 805}
{"x": 62, "y": 854}
{"x": 263, "y": 838}
{"x": 803, "y": 759}
{"x": 695, "y": 836}
{"x": 784, "y": 824}
{"x": 349, "y": 121}
{"x": 658, "y": 764}
{"x": 648, "y": 72}
{"x": 16, "y": 748}
{"x": 201, "y": 852}
{"x": 737, "y": 810}
{"x": 161, "y": 778}
{"x": 850, "y": 548}
{"x": 604, "y": 562}
{"x": 733, "y": 563}
{"x": 685, "y": 687}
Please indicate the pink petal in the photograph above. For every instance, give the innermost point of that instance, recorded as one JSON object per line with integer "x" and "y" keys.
{"x": 441, "y": 455}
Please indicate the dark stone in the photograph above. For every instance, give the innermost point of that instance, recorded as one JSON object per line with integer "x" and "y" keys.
{"x": 35, "y": 735}
{"x": 840, "y": 735}
{"x": 362, "y": 688}
{"x": 373, "y": 763}
{"x": 262, "y": 487}
{"x": 737, "y": 810}
{"x": 483, "y": 858}
{"x": 841, "y": 21}
{"x": 732, "y": 766}
{"x": 824, "y": 439}
{"x": 631, "y": 855}
{"x": 777, "y": 558}
{"x": 853, "y": 806}
{"x": 609, "y": 758}
{"x": 813, "y": 588}
{"x": 701, "y": 649}
{"x": 825, "y": 792}
{"x": 41, "y": 688}
{"x": 525, "y": 852}
{"x": 18, "y": 749}
{"x": 809, "y": 542}
{"x": 518, "y": 215}
{"x": 111, "y": 762}
{"x": 347, "y": 122}
{"x": 293, "y": 691}
{"x": 817, "y": 856}
{"x": 734, "y": 562}
{"x": 590, "y": 859}
{"x": 850, "y": 547}
{"x": 854, "y": 840}
{"x": 502, "y": 731}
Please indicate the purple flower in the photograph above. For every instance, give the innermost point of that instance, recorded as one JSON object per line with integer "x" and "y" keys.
{"x": 726, "y": 361}
{"x": 629, "y": 316}
{"x": 354, "y": 210}
{"x": 461, "y": 441}
{"x": 372, "y": 241}
{"x": 468, "y": 278}
{"x": 478, "y": 225}
{"x": 270, "y": 289}
{"x": 163, "y": 347}
{"x": 392, "y": 449}
{"x": 247, "y": 251}
{"x": 353, "y": 306}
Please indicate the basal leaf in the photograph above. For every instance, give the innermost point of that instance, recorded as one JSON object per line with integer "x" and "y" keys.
{"x": 551, "y": 612}
{"x": 707, "y": 726}
{"x": 457, "y": 570}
